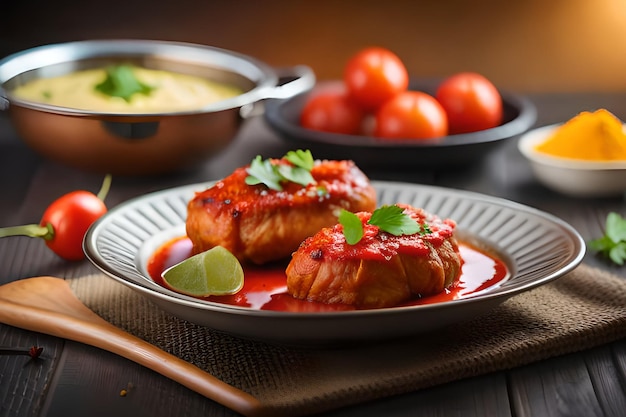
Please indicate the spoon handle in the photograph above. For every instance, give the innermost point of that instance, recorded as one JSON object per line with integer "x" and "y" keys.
{"x": 47, "y": 305}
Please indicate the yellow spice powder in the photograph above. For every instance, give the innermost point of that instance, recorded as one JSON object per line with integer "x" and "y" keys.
{"x": 596, "y": 136}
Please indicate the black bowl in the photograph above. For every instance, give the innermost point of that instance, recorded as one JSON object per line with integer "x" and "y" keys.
{"x": 370, "y": 152}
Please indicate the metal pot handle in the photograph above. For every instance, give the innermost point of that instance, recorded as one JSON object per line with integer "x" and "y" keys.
{"x": 292, "y": 81}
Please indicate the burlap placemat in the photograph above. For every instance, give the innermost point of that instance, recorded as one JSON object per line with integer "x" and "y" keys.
{"x": 581, "y": 310}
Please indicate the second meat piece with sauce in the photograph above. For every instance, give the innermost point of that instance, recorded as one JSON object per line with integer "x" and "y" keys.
{"x": 381, "y": 270}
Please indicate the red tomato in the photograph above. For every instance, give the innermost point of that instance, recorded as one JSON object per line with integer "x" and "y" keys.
{"x": 70, "y": 216}
{"x": 332, "y": 111}
{"x": 411, "y": 115}
{"x": 373, "y": 76}
{"x": 65, "y": 222}
{"x": 471, "y": 102}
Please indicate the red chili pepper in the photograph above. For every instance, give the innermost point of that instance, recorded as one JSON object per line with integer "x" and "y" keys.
{"x": 65, "y": 222}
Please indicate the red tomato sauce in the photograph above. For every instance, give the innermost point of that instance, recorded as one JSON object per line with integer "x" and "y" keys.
{"x": 265, "y": 287}
{"x": 377, "y": 245}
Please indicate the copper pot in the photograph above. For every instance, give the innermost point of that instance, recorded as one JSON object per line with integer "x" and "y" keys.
{"x": 139, "y": 144}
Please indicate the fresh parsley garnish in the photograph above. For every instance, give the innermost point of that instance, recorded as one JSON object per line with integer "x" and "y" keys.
{"x": 264, "y": 172}
{"x": 613, "y": 243}
{"x": 352, "y": 227}
{"x": 300, "y": 158}
{"x": 295, "y": 174}
{"x": 121, "y": 82}
{"x": 390, "y": 219}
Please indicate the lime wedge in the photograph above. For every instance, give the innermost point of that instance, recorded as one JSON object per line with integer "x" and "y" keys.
{"x": 214, "y": 272}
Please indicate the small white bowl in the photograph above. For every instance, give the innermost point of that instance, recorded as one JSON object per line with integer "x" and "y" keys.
{"x": 578, "y": 178}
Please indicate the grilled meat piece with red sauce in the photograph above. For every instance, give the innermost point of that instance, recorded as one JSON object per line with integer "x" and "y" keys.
{"x": 381, "y": 270}
{"x": 259, "y": 225}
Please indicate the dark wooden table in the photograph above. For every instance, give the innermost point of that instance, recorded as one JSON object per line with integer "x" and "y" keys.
{"x": 77, "y": 380}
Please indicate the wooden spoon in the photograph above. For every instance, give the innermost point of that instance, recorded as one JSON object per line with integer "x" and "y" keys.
{"x": 48, "y": 305}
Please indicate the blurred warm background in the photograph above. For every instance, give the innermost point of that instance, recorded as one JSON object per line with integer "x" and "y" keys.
{"x": 525, "y": 46}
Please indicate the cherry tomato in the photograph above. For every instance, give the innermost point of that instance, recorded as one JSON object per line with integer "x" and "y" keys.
{"x": 65, "y": 222}
{"x": 411, "y": 115}
{"x": 373, "y": 76}
{"x": 70, "y": 216}
{"x": 332, "y": 111}
{"x": 471, "y": 102}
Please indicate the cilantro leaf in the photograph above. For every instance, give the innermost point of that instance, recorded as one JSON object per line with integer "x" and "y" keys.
{"x": 352, "y": 227}
{"x": 295, "y": 174}
{"x": 602, "y": 244}
{"x": 300, "y": 158}
{"x": 613, "y": 243}
{"x": 615, "y": 227}
{"x": 263, "y": 172}
{"x": 121, "y": 82}
{"x": 392, "y": 219}
{"x": 618, "y": 253}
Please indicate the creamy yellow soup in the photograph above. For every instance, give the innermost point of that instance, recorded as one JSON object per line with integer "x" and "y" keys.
{"x": 169, "y": 92}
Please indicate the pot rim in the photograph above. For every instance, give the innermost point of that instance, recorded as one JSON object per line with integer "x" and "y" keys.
{"x": 263, "y": 77}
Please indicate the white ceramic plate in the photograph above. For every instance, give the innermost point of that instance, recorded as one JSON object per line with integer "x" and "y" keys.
{"x": 536, "y": 247}
{"x": 577, "y": 178}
